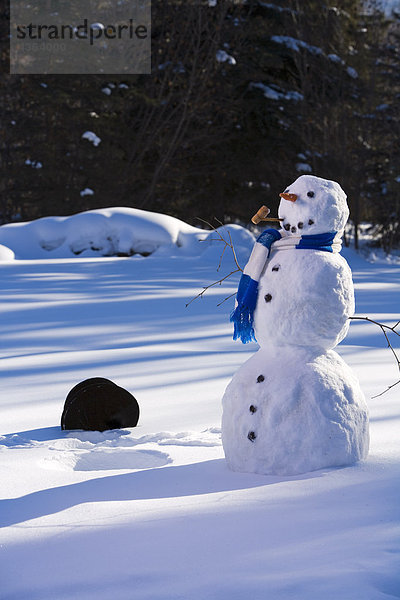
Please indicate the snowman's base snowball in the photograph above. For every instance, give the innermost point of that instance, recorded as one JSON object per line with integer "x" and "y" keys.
{"x": 289, "y": 411}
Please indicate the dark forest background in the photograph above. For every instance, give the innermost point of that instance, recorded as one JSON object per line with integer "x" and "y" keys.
{"x": 243, "y": 98}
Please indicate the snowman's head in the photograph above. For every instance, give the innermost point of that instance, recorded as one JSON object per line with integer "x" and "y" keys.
{"x": 313, "y": 205}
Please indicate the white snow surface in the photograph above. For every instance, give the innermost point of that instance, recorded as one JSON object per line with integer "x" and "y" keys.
{"x": 352, "y": 72}
{"x": 276, "y": 93}
{"x": 111, "y": 232}
{"x": 388, "y": 7}
{"x": 295, "y": 44}
{"x": 91, "y": 137}
{"x": 6, "y": 253}
{"x": 86, "y": 192}
{"x": 154, "y": 513}
{"x": 305, "y": 167}
{"x": 222, "y": 56}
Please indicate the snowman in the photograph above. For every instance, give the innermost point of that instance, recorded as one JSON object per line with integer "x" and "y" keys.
{"x": 295, "y": 406}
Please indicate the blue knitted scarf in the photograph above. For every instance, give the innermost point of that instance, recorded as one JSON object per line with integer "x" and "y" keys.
{"x": 246, "y": 298}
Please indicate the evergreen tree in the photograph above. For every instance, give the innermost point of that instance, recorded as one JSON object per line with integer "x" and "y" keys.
{"x": 243, "y": 98}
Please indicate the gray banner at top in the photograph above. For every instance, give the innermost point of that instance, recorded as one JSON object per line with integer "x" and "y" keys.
{"x": 80, "y": 36}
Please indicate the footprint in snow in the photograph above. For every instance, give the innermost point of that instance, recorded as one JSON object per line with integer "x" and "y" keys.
{"x": 103, "y": 459}
{"x": 107, "y": 450}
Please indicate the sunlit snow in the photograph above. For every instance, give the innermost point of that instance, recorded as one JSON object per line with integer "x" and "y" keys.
{"x": 222, "y": 56}
{"x": 276, "y": 93}
{"x": 92, "y": 137}
{"x": 153, "y": 513}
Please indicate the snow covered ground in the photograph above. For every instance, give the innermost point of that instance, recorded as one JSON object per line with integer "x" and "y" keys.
{"x": 153, "y": 513}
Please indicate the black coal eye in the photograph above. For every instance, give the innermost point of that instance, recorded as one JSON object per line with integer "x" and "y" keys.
{"x": 310, "y": 194}
{"x": 286, "y": 191}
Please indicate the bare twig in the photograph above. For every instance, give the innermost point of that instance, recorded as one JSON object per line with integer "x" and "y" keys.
{"x": 227, "y": 298}
{"x": 232, "y": 247}
{"x": 220, "y": 238}
{"x": 227, "y": 244}
{"x": 207, "y": 287}
{"x": 384, "y": 328}
{"x": 387, "y": 389}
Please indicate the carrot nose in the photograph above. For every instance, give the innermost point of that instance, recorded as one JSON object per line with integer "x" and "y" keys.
{"x": 290, "y": 197}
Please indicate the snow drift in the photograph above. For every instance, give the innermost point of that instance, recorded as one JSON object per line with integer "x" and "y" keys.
{"x": 109, "y": 232}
